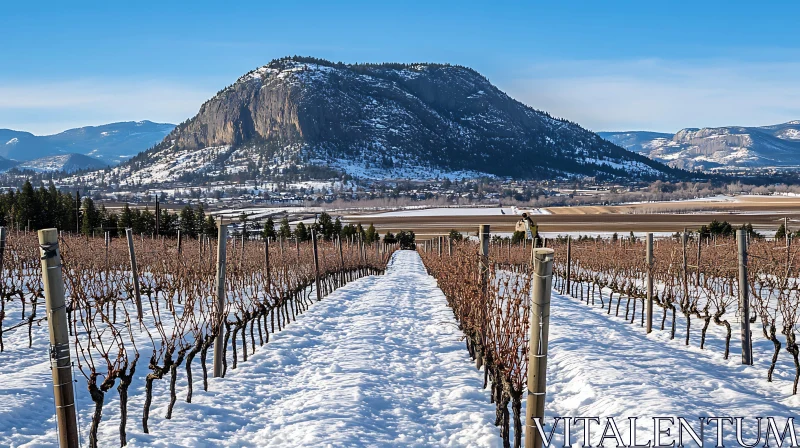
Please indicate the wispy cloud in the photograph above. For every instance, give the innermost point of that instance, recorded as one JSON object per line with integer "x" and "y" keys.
{"x": 654, "y": 94}
{"x": 49, "y": 107}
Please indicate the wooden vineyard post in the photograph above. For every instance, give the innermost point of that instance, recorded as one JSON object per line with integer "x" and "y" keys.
{"x": 649, "y": 259}
{"x": 316, "y": 265}
{"x": 222, "y": 246}
{"x": 786, "y": 229}
{"x": 699, "y": 247}
{"x": 685, "y": 267}
{"x": 342, "y": 275}
{"x": 439, "y": 241}
{"x": 57, "y": 323}
{"x": 537, "y": 345}
{"x": 483, "y": 271}
{"x": 158, "y": 215}
{"x": 134, "y": 274}
{"x": 569, "y": 264}
{"x": 266, "y": 263}
{"x": 2, "y": 247}
{"x": 744, "y": 298}
{"x": 179, "y": 242}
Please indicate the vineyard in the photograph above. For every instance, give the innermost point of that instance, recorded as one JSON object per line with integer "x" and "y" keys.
{"x": 695, "y": 285}
{"x": 267, "y": 284}
{"x": 385, "y": 335}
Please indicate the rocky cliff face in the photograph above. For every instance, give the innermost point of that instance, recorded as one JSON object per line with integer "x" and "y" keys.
{"x": 386, "y": 120}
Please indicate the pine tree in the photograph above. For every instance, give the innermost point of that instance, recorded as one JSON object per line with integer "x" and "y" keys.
{"x": 301, "y": 233}
{"x": 210, "y": 227}
{"x": 371, "y": 236}
{"x": 285, "y": 231}
{"x": 27, "y": 206}
{"x": 269, "y": 229}
{"x": 188, "y": 224}
{"x": 337, "y": 227}
{"x": 126, "y": 218}
{"x": 325, "y": 226}
{"x": 89, "y": 220}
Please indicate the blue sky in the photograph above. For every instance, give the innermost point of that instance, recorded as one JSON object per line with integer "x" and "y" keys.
{"x": 606, "y": 65}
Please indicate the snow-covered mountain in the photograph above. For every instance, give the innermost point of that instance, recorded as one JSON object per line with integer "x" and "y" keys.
{"x": 376, "y": 121}
{"x": 717, "y": 148}
{"x": 112, "y": 143}
{"x": 67, "y": 163}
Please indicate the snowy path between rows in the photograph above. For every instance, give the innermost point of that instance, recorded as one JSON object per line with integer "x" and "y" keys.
{"x": 380, "y": 362}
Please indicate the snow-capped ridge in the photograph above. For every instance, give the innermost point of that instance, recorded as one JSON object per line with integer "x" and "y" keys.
{"x": 718, "y": 148}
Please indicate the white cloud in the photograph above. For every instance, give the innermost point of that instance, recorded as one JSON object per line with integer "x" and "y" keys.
{"x": 661, "y": 95}
{"x": 50, "y": 107}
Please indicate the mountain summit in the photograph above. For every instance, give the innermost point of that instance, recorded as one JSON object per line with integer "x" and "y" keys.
{"x": 377, "y": 121}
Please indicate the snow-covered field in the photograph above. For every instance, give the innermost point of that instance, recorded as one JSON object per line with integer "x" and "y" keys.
{"x": 381, "y": 362}
{"x": 456, "y": 211}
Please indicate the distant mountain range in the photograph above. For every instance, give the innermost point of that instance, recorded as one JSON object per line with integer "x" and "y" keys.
{"x": 88, "y": 147}
{"x": 724, "y": 148}
{"x": 379, "y": 121}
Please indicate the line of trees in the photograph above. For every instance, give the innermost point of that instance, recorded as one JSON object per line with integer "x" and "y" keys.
{"x": 326, "y": 227}
{"x": 39, "y": 208}
{"x": 45, "y": 207}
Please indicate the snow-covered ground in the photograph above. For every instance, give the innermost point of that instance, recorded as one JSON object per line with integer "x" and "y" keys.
{"x": 600, "y": 365}
{"x": 381, "y": 362}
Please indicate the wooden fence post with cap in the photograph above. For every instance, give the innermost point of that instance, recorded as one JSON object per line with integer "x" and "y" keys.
{"x": 542, "y": 284}
{"x": 57, "y": 323}
{"x": 219, "y": 309}
{"x": 134, "y": 274}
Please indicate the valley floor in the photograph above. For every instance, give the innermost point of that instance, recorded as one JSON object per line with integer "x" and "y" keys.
{"x": 381, "y": 362}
